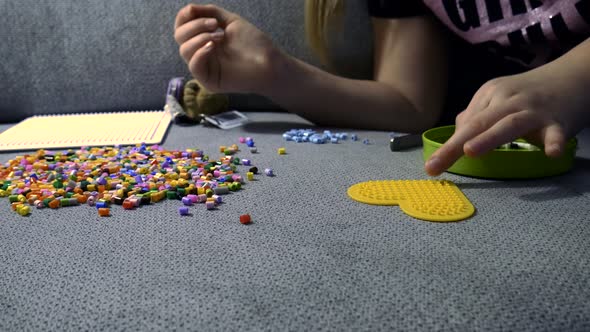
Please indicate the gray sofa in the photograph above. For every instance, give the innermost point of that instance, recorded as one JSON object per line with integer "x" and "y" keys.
{"x": 312, "y": 259}
{"x": 79, "y": 56}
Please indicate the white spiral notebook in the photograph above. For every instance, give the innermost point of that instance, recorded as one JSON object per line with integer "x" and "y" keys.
{"x": 91, "y": 129}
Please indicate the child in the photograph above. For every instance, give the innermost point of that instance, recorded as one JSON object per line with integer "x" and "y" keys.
{"x": 409, "y": 89}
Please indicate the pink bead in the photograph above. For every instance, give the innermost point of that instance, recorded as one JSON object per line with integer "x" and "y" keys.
{"x": 193, "y": 198}
{"x": 202, "y": 198}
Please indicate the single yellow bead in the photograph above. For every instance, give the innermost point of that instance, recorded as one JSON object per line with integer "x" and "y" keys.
{"x": 23, "y": 210}
{"x": 21, "y": 198}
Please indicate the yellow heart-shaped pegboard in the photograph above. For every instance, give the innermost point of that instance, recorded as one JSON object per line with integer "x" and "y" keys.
{"x": 431, "y": 200}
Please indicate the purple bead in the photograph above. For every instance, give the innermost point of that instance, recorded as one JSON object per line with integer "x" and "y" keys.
{"x": 183, "y": 210}
{"x": 187, "y": 201}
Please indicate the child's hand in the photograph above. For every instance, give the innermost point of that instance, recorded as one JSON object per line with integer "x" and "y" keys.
{"x": 224, "y": 52}
{"x": 546, "y": 106}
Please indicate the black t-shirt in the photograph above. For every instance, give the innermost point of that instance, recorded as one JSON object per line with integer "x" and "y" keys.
{"x": 396, "y": 9}
{"x": 531, "y": 33}
{"x": 469, "y": 67}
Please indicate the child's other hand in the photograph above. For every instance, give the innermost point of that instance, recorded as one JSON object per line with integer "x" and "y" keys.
{"x": 224, "y": 52}
{"x": 546, "y": 106}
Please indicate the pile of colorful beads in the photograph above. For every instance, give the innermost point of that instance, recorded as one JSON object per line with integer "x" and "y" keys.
{"x": 127, "y": 176}
{"x": 310, "y": 135}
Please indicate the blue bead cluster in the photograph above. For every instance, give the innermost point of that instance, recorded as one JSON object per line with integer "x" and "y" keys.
{"x": 310, "y": 135}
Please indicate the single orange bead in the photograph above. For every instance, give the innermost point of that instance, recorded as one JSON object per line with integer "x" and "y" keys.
{"x": 104, "y": 212}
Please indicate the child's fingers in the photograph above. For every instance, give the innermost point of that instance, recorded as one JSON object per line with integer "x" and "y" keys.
{"x": 184, "y": 15}
{"x": 444, "y": 157}
{"x": 193, "y": 28}
{"x": 554, "y": 140}
{"x": 450, "y": 151}
{"x": 190, "y": 47}
{"x": 199, "y": 63}
{"x": 473, "y": 109}
{"x": 505, "y": 130}
{"x": 480, "y": 101}
{"x": 460, "y": 118}
{"x": 192, "y": 11}
{"x": 453, "y": 149}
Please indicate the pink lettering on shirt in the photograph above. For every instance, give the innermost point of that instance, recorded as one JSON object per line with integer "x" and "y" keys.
{"x": 532, "y": 32}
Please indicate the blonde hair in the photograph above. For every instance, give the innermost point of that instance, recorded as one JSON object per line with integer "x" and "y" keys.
{"x": 320, "y": 15}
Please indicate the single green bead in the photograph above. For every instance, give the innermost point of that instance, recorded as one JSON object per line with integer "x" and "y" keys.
{"x": 172, "y": 195}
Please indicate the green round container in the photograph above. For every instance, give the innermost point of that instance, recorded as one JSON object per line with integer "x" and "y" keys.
{"x": 504, "y": 162}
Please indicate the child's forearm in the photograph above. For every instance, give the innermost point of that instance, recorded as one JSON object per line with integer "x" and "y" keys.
{"x": 577, "y": 62}
{"x": 330, "y": 100}
{"x": 574, "y": 66}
